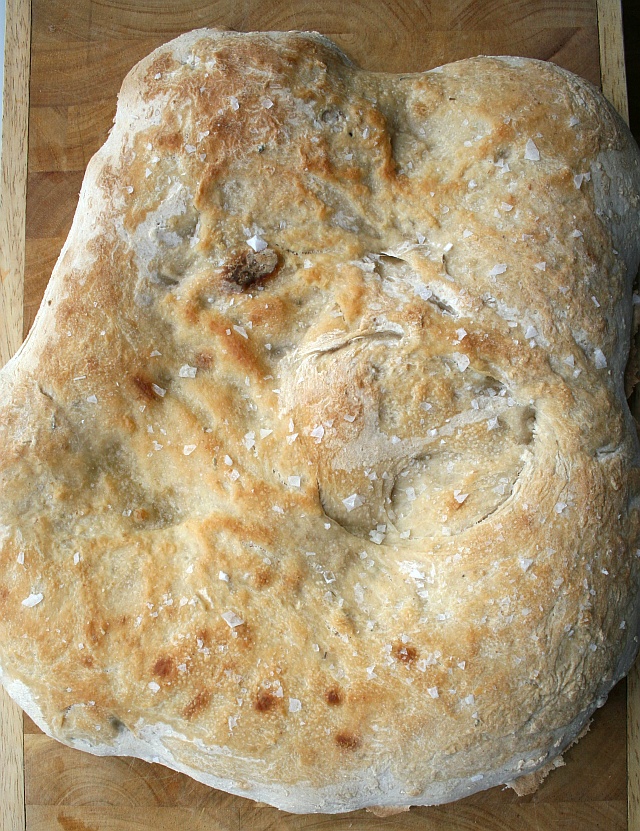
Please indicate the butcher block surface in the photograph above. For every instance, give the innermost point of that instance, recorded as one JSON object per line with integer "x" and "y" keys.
{"x": 80, "y": 52}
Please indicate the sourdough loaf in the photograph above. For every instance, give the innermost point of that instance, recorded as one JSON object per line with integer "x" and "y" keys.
{"x": 317, "y": 476}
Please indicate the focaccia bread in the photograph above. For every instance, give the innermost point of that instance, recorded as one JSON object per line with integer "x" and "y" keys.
{"x": 317, "y": 476}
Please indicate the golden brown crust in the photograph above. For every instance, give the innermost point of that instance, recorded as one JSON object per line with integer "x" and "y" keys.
{"x": 318, "y": 449}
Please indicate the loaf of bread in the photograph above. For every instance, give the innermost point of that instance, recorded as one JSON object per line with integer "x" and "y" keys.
{"x": 317, "y": 476}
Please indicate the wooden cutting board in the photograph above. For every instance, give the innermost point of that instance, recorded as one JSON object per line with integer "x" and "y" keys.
{"x": 78, "y": 52}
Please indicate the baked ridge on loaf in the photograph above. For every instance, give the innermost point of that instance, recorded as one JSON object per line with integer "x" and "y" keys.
{"x": 317, "y": 476}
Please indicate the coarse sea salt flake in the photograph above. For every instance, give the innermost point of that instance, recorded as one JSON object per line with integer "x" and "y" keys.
{"x": 187, "y": 371}
{"x": 294, "y": 481}
{"x": 531, "y": 332}
{"x": 158, "y": 390}
{"x": 433, "y": 692}
{"x": 559, "y": 507}
{"x": 462, "y": 361}
{"x": 423, "y": 292}
{"x": 235, "y": 104}
{"x": 461, "y": 334}
{"x": 499, "y": 268}
{"x": 188, "y": 449}
{"x": 525, "y": 563}
{"x": 541, "y": 266}
{"x": 459, "y": 496}
{"x": 267, "y": 103}
{"x": 467, "y": 233}
{"x": 222, "y": 575}
{"x": 241, "y": 331}
{"x": 492, "y": 423}
{"x": 264, "y": 433}
{"x": 295, "y": 705}
{"x": 353, "y": 501}
{"x": 91, "y": 399}
{"x": 153, "y": 686}
{"x": 232, "y": 619}
{"x": 317, "y": 433}
{"x": 599, "y": 359}
{"x": 257, "y": 243}
{"x": 531, "y": 152}
{"x": 33, "y": 600}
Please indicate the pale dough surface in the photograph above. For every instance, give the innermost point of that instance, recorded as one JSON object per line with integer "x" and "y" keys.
{"x": 317, "y": 476}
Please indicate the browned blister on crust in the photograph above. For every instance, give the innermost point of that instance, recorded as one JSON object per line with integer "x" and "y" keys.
{"x": 317, "y": 477}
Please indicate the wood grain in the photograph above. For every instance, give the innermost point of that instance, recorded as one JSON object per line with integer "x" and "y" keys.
{"x": 633, "y": 748}
{"x": 13, "y": 174}
{"x": 80, "y": 53}
{"x": 12, "y": 804}
{"x": 561, "y": 817}
{"x": 614, "y": 79}
{"x": 13, "y": 177}
{"x": 614, "y": 86}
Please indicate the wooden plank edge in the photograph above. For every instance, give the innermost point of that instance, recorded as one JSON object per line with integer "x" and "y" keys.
{"x": 611, "y": 42}
{"x": 614, "y": 88}
{"x": 13, "y": 193}
{"x": 12, "y": 800}
{"x": 633, "y": 748}
{"x": 13, "y": 173}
